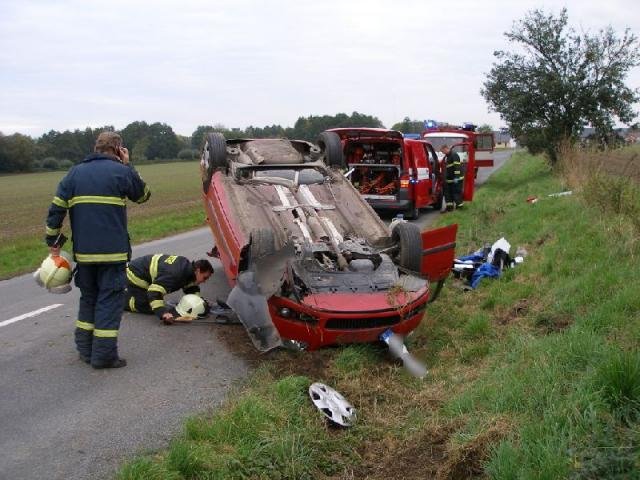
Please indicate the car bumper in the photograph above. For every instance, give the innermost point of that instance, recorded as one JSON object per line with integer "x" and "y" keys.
{"x": 346, "y": 318}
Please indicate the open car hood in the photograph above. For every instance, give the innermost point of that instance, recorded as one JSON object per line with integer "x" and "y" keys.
{"x": 367, "y": 133}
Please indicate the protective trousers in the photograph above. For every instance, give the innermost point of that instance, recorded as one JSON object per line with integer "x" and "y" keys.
{"x": 453, "y": 193}
{"x": 136, "y": 300}
{"x": 101, "y": 299}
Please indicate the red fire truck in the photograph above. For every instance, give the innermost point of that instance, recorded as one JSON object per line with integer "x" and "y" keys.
{"x": 474, "y": 148}
{"x": 390, "y": 171}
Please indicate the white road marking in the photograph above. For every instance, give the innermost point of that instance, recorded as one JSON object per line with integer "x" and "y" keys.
{"x": 30, "y": 314}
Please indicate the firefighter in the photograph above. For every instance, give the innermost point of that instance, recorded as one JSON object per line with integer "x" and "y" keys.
{"x": 94, "y": 193}
{"x": 453, "y": 178}
{"x": 151, "y": 277}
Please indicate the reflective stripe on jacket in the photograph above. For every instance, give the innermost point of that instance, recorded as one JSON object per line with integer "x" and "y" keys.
{"x": 94, "y": 192}
{"x": 454, "y": 167}
{"x": 160, "y": 274}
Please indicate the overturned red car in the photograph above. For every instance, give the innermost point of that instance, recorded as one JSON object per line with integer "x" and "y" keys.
{"x": 309, "y": 260}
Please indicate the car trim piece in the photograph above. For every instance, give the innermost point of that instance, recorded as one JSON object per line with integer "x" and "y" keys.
{"x": 440, "y": 248}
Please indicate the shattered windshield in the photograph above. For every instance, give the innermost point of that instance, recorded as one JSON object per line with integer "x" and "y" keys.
{"x": 305, "y": 176}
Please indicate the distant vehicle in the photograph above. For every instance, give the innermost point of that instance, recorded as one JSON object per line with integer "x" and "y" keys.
{"x": 391, "y": 171}
{"x": 309, "y": 260}
{"x": 475, "y": 148}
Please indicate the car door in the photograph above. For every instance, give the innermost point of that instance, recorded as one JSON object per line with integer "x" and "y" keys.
{"x": 438, "y": 252}
{"x": 422, "y": 178}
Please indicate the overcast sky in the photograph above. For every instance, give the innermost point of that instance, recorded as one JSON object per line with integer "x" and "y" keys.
{"x": 69, "y": 64}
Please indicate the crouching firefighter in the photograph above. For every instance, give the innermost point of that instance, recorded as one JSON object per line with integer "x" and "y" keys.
{"x": 151, "y": 277}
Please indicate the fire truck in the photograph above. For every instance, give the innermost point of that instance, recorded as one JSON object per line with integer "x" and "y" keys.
{"x": 392, "y": 172}
{"x": 474, "y": 148}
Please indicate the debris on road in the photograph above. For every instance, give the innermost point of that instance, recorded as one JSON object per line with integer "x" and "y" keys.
{"x": 332, "y": 404}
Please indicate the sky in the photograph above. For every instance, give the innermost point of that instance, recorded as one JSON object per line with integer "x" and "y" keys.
{"x": 70, "y": 64}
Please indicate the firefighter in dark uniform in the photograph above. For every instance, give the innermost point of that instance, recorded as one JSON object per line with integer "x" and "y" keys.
{"x": 94, "y": 193}
{"x": 151, "y": 277}
{"x": 453, "y": 178}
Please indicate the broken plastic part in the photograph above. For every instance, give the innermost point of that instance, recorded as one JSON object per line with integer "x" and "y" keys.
{"x": 561, "y": 194}
{"x": 250, "y": 305}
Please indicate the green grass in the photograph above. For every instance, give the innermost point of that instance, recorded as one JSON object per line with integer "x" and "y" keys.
{"x": 535, "y": 375}
{"x": 175, "y": 206}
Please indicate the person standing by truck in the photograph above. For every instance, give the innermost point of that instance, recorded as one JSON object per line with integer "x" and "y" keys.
{"x": 453, "y": 179}
{"x": 94, "y": 193}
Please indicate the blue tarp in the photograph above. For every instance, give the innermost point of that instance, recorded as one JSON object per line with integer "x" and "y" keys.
{"x": 486, "y": 270}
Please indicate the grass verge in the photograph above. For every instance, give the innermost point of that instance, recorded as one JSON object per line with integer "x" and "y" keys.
{"x": 535, "y": 375}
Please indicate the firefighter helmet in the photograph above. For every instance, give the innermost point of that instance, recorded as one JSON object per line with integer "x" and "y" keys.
{"x": 191, "y": 305}
{"x": 55, "y": 273}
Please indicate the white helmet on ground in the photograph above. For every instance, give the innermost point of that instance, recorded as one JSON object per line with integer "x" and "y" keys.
{"x": 55, "y": 273}
{"x": 191, "y": 305}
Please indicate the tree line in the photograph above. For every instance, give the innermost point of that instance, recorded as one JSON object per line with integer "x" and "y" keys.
{"x": 155, "y": 142}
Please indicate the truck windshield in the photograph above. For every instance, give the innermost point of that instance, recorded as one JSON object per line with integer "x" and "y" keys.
{"x": 438, "y": 142}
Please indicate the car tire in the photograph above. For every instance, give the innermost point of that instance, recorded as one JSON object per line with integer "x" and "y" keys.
{"x": 214, "y": 156}
{"x": 262, "y": 243}
{"x": 409, "y": 240}
{"x": 331, "y": 145}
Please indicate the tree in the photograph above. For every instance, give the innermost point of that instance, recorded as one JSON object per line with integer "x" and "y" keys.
{"x": 134, "y": 133}
{"x": 163, "y": 142}
{"x": 409, "y": 126}
{"x": 16, "y": 153}
{"x": 485, "y": 128}
{"x": 561, "y": 81}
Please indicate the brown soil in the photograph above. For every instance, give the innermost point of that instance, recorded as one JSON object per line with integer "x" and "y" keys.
{"x": 310, "y": 364}
{"x": 430, "y": 455}
{"x": 520, "y": 309}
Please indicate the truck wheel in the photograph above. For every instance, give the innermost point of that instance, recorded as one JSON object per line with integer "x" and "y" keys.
{"x": 408, "y": 238}
{"x": 262, "y": 243}
{"x": 330, "y": 143}
{"x": 412, "y": 212}
{"x": 214, "y": 157}
{"x": 439, "y": 204}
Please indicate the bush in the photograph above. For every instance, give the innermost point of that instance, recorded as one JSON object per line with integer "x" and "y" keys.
{"x": 188, "y": 154}
{"x": 65, "y": 164}
{"x": 50, "y": 163}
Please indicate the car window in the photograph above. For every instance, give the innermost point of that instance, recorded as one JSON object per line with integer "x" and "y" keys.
{"x": 306, "y": 176}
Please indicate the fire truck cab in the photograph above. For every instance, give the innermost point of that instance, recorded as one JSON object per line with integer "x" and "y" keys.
{"x": 474, "y": 148}
{"x": 391, "y": 172}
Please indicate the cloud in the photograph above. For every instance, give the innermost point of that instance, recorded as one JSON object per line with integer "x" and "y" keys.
{"x": 64, "y": 65}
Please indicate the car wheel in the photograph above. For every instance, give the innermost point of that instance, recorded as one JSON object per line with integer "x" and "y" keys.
{"x": 409, "y": 240}
{"x": 214, "y": 156}
{"x": 331, "y": 145}
{"x": 262, "y": 243}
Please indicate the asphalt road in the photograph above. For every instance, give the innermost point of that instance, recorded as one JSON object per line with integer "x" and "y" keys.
{"x": 60, "y": 419}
